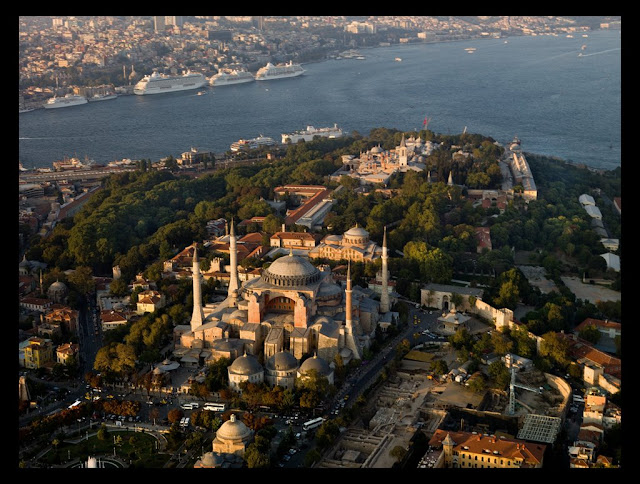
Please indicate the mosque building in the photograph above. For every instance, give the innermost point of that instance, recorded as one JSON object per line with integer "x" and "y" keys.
{"x": 293, "y": 313}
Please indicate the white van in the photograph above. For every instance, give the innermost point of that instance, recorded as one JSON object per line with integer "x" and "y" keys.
{"x": 186, "y": 406}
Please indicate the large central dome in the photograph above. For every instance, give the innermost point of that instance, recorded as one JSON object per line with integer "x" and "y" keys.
{"x": 291, "y": 270}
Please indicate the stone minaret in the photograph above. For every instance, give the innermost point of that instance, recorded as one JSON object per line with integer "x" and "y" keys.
{"x": 233, "y": 262}
{"x": 350, "y": 329}
{"x": 197, "y": 317}
{"x": 384, "y": 297}
{"x": 348, "y": 306}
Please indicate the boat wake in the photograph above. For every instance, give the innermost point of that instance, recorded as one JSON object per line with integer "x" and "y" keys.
{"x": 601, "y": 52}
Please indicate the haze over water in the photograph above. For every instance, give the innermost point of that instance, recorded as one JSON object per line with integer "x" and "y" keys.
{"x": 537, "y": 88}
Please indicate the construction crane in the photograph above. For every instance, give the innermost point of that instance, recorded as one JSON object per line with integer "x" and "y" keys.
{"x": 512, "y": 391}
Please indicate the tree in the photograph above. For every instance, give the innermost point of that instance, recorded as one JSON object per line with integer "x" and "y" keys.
{"x": 398, "y": 453}
{"x": 555, "y": 349}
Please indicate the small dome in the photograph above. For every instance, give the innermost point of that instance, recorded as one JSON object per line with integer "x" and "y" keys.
{"x": 233, "y": 430}
{"x": 245, "y": 365}
{"x": 58, "y": 286}
{"x": 283, "y": 361}
{"x": 315, "y": 363}
{"x": 211, "y": 459}
{"x": 356, "y": 232}
{"x": 225, "y": 344}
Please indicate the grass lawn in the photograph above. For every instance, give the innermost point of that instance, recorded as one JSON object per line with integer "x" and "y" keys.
{"x": 139, "y": 447}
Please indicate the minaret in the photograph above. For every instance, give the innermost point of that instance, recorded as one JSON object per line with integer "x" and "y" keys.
{"x": 348, "y": 308}
{"x": 233, "y": 262}
{"x": 197, "y": 317}
{"x": 450, "y": 181}
{"x": 384, "y": 297}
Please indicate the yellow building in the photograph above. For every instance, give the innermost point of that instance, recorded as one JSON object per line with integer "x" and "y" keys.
{"x": 38, "y": 353}
{"x": 353, "y": 245}
{"x": 149, "y": 301}
{"x": 473, "y": 450}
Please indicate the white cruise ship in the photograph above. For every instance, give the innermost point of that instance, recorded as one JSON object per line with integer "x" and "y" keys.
{"x": 161, "y": 83}
{"x": 310, "y": 132}
{"x": 225, "y": 78}
{"x": 251, "y": 144}
{"x": 66, "y": 101}
{"x": 280, "y": 71}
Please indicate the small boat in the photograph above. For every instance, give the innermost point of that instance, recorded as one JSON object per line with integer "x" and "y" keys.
{"x": 201, "y": 93}
{"x": 398, "y": 59}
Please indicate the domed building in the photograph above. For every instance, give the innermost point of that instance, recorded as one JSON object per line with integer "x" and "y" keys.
{"x": 281, "y": 370}
{"x": 245, "y": 368}
{"x": 317, "y": 364}
{"x": 57, "y": 292}
{"x": 229, "y": 445}
{"x": 353, "y": 245}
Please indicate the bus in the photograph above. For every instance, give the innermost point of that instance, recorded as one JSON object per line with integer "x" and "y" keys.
{"x": 184, "y": 422}
{"x": 313, "y": 423}
{"x": 215, "y": 406}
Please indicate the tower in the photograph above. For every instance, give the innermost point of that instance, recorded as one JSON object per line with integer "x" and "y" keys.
{"x": 348, "y": 307}
{"x": 233, "y": 262}
{"x": 402, "y": 153}
{"x": 197, "y": 317}
{"x": 384, "y": 297}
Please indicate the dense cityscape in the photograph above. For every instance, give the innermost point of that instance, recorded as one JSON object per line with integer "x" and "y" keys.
{"x": 330, "y": 300}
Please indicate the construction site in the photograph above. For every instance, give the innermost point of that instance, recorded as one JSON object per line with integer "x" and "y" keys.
{"x": 413, "y": 402}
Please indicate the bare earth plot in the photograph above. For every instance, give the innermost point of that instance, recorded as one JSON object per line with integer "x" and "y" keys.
{"x": 590, "y": 292}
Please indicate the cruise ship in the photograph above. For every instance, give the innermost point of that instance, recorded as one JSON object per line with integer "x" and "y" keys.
{"x": 310, "y": 132}
{"x": 225, "y": 78}
{"x": 66, "y": 101}
{"x": 161, "y": 83}
{"x": 279, "y": 71}
{"x": 251, "y": 144}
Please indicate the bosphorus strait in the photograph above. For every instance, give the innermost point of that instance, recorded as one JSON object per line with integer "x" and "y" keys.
{"x": 559, "y": 99}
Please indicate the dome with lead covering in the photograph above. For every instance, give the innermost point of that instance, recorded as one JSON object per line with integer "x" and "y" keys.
{"x": 233, "y": 430}
{"x": 291, "y": 270}
{"x": 356, "y": 235}
{"x": 315, "y": 363}
{"x": 282, "y": 361}
{"x": 245, "y": 365}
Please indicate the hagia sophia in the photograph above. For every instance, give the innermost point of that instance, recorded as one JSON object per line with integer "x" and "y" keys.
{"x": 275, "y": 328}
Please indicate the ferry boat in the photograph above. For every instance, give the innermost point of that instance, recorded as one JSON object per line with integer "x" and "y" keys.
{"x": 310, "y": 132}
{"x": 251, "y": 144}
{"x": 71, "y": 164}
{"x": 279, "y": 71}
{"x": 66, "y": 101}
{"x": 103, "y": 97}
{"x": 351, "y": 54}
{"x": 225, "y": 78}
{"x": 160, "y": 83}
